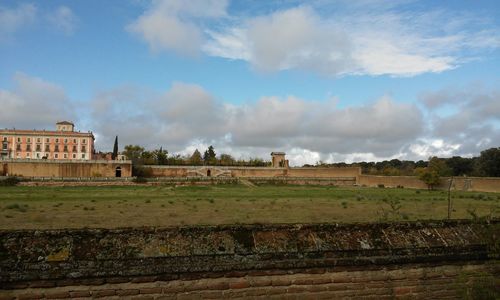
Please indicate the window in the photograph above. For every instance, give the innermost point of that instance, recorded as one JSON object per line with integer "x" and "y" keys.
{"x": 74, "y": 148}
{"x": 65, "y": 141}
{"x": 84, "y": 141}
{"x": 56, "y": 148}
{"x": 74, "y": 141}
{"x": 65, "y": 155}
{"x": 74, "y": 156}
{"x": 38, "y": 147}
{"x": 38, "y": 155}
{"x": 84, "y": 149}
{"x": 83, "y": 155}
{"x": 4, "y": 139}
{"x": 47, "y": 140}
{"x": 65, "y": 148}
{"x": 29, "y": 140}
{"x": 28, "y": 147}
{"x": 56, "y": 155}
{"x": 18, "y": 139}
{"x": 18, "y": 147}
{"x": 27, "y": 155}
{"x": 47, "y": 149}
{"x": 38, "y": 140}
{"x": 57, "y": 140}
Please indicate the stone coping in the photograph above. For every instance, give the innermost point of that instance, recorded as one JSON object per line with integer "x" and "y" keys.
{"x": 150, "y": 251}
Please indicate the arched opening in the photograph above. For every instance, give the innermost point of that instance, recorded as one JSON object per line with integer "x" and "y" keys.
{"x": 209, "y": 173}
{"x": 118, "y": 172}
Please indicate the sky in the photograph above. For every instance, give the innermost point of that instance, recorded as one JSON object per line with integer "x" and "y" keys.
{"x": 321, "y": 80}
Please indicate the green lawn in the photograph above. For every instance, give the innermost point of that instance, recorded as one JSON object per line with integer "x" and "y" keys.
{"x": 76, "y": 207}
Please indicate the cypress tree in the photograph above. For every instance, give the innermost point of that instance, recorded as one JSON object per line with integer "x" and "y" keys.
{"x": 115, "y": 149}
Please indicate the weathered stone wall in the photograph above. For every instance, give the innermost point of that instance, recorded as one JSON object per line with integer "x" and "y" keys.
{"x": 478, "y": 184}
{"x": 220, "y": 171}
{"x": 450, "y": 281}
{"x": 430, "y": 259}
{"x": 49, "y": 168}
{"x": 392, "y": 181}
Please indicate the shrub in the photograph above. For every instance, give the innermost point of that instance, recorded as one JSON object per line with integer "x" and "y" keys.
{"x": 10, "y": 181}
{"x": 141, "y": 171}
{"x": 381, "y": 186}
{"x": 140, "y": 180}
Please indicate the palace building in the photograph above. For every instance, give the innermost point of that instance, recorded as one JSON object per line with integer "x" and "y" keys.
{"x": 62, "y": 144}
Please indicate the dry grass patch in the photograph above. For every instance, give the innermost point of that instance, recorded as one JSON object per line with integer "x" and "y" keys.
{"x": 115, "y": 206}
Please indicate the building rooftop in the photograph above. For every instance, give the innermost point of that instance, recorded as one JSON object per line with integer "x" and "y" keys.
{"x": 47, "y": 132}
{"x": 277, "y": 153}
{"x": 65, "y": 123}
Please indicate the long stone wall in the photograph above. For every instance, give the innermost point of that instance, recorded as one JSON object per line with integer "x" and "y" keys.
{"x": 476, "y": 184}
{"x": 221, "y": 171}
{"x": 433, "y": 259}
{"x": 72, "y": 169}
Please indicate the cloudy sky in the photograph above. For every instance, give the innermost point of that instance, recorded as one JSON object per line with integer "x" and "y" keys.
{"x": 335, "y": 80}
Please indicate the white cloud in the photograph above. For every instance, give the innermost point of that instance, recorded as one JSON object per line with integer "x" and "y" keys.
{"x": 63, "y": 19}
{"x": 373, "y": 38}
{"x": 170, "y": 25}
{"x": 13, "y": 19}
{"x": 186, "y": 116}
{"x": 34, "y": 103}
{"x": 425, "y": 148}
{"x": 388, "y": 42}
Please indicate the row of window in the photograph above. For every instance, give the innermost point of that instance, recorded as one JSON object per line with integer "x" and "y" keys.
{"x": 56, "y": 156}
{"x": 47, "y": 148}
{"x": 47, "y": 140}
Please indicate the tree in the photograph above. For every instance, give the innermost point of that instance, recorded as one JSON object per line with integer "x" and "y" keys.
{"x": 115, "y": 149}
{"x": 430, "y": 177}
{"x": 196, "y": 158}
{"x": 460, "y": 165}
{"x": 134, "y": 153}
{"x": 489, "y": 162}
{"x": 439, "y": 166}
{"x": 148, "y": 157}
{"x": 209, "y": 156}
{"x": 226, "y": 160}
{"x": 161, "y": 156}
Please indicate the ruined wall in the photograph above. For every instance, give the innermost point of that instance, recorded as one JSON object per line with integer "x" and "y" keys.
{"x": 433, "y": 259}
{"x": 49, "y": 168}
{"x": 478, "y": 184}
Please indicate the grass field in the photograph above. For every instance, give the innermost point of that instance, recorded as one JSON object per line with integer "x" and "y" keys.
{"x": 76, "y": 207}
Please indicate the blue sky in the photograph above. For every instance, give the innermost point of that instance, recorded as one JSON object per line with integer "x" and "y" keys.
{"x": 320, "y": 80}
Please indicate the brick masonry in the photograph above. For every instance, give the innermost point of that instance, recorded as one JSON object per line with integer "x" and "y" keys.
{"x": 302, "y": 261}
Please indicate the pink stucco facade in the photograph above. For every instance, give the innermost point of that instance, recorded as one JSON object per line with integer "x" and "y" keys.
{"x": 61, "y": 144}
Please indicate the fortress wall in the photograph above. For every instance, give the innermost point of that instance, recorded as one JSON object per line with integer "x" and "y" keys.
{"x": 47, "y": 168}
{"x": 478, "y": 184}
{"x": 184, "y": 171}
{"x": 258, "y": 172}
{"x": 325, "y": 172}
{"x": 392, "y": 181}
{"x": 168, "y": 172}
{"x": 413, "y": 260}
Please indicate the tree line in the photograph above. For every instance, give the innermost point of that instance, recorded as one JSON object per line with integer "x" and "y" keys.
{"x": 486, "y": 164}
{"x": 139, "y": 156}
